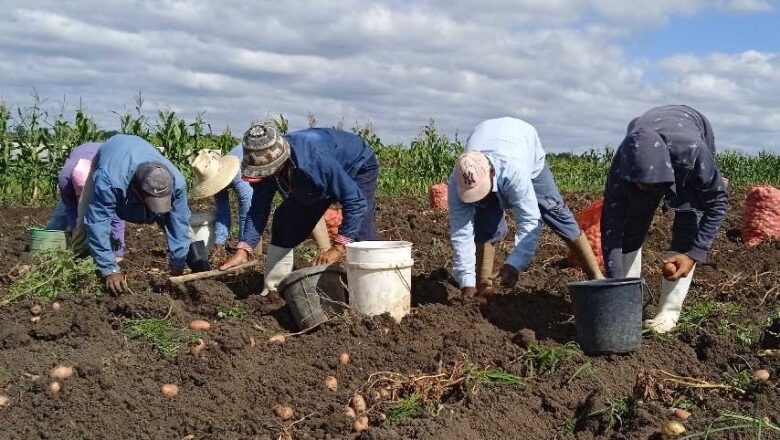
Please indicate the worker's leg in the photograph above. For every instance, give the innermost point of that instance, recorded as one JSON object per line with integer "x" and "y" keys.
{"x": 557, "y": 215}
{"x": 489, "y": 227}
{"x": 673, "y": 293}
{"x": 641, "y": 209}
{"x": 78, "y": 236}
{"x": 292, "y": 223}
{"x": 320, "y": 235}
{"x": 118, "y": 236}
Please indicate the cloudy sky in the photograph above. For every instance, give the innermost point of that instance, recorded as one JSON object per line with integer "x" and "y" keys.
{"x": 577, "y": 70}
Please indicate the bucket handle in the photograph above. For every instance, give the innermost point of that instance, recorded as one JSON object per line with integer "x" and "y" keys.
{"x": 380, "y": 266}
{"x": 647, "y": 293}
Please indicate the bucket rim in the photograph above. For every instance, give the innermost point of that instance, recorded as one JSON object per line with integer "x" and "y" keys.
{"x": 379, "y": 244}
{"x": 609, "y": 282}
{"x": 306, "y": 272}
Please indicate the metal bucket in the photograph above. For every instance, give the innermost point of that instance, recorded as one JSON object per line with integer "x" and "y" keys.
{"x": 314, "y": 293}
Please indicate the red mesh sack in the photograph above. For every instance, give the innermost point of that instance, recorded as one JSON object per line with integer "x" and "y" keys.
{"x": 589, "y": 219}
{"x": 437, "y": 196}
{"x": 333, "y": 219}
{"x": 761, "y": 215}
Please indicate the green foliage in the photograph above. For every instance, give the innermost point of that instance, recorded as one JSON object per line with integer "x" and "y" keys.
{"x": 33, "y": 147}
{"x": 409, "y": 406}
{"x": 614, "y": 413}
{"x": 162, "y": 334}
{"x": 492, "y": 376}
{"x": 739, "y": 378}
{"x": 546, "y": 359}
{"x": 53, "y": 271}
{"x": 697, "y": 313}
{"x": 237, "y": 313}
{"x": 729, "y": 421}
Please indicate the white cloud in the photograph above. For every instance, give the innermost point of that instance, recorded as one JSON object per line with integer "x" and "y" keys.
{"x": 747, "y": 5}
{"x": 558, "y": 63}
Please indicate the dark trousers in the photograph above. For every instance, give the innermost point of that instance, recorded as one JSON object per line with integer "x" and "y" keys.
{"x": 642, "y": 206}
{"x": 294, "y": 221}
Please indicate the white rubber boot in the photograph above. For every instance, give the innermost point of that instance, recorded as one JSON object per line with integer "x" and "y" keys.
{"x": 673, "y": 294}
{"x": 632, "y": 264}
{"x": 278, "y": 264}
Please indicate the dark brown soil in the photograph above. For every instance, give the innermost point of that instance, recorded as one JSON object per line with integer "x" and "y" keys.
{"x": 228, "y": 392}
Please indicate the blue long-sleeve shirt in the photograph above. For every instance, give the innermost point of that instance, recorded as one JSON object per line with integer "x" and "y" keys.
{"x": 325, "y": 162}
{"x": 515, "y": 152}
{"x": 222, "y": 221}
{"x": 672, "y": 145}
{"x": 113, "y": 169}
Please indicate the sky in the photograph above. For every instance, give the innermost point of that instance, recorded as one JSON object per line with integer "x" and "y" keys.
{"x": 579, "y": 71}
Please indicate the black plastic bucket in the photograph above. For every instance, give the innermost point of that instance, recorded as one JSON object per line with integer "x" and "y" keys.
{"x": 608, "y": 314}
{"x": 314, "y": 293}
{"x": 198, "y": 257}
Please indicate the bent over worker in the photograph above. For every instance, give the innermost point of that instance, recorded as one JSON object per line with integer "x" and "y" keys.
{"x": 504, "y": 167}
{"x": 132, "y": 180}
{"x": 311, "y": 169}
{"x": 71, "y": 181}
{"x": 215, "y": 175}
{"x": 668, "y": 153}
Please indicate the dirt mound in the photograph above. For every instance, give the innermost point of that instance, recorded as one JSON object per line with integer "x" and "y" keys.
{"x": 229, "y": 390}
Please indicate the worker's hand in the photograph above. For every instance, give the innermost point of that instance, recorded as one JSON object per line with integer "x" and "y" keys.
{"x": 508, "y": 276}
{"x": 332, "y": 255}
{"x": 116, "y": 283}
{"x": 684, "y": 266}
{"x": 241, "y": 256}
{"x": 175, "y": 271}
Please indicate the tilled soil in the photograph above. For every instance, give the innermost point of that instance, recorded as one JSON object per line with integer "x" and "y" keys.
{"x": 229, "y": 390}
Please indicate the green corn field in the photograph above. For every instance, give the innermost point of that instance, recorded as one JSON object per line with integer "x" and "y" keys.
{"x": 34, "y": 145}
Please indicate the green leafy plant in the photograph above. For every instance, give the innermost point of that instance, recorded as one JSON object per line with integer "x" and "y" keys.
{"x": 614, "y": 413}
{"x": 735, "y": 422}
{"x": 546, "y": 359}
{"x": 492, "y": 376}
{"x": 738, "y": 378}
{"x": 237, "y": 313}
{"x": 54, "y": 271}
{"x": 409, "y": 406}
{"x": 162, "y": 334}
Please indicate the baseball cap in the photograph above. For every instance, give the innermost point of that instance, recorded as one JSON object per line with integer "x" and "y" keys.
{"x": 156, "y": 182}
{"x": 472, "y": 176}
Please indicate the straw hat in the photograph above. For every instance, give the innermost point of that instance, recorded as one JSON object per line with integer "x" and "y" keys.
{"x": 213, "y": 173}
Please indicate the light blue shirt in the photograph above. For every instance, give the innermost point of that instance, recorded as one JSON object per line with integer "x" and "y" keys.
{"x": 222, "y": 208}
{"x": 515, "y": 152}
{"x": 114, "y": 167}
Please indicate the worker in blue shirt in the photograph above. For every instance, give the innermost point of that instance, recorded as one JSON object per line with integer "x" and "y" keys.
{"x": 668, "y": 154}
{"x": 311, "y": 169}
{"x": 504, "y": 167}
{"x": 131, "y": 179}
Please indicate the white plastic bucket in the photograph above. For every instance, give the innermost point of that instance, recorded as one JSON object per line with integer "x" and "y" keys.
{"x": 202, "y": 228}
{"x": 379, "y": 275}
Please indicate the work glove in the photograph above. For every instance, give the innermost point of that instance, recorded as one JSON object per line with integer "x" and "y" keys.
{"x": 116, "y": 283}
{"x": 508, "y": 276}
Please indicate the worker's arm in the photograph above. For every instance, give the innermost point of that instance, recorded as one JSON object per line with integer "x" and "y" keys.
{"x": 339, "y": 186}
{"x": 462, "y": 238}
{"x": 518, "y": 193}
{"x": 711, "y": 192}
{"x": 177, "y": 229}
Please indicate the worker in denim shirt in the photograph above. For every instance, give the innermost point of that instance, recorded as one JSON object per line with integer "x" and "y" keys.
{"x": 668, "y": 153}
{"x": 504, "y": 167}
{"x": 71, "y": 180}
{"x": 132, "y": 180}
{"x": 216, "y": 175}
{"x": 311, "y": 169}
